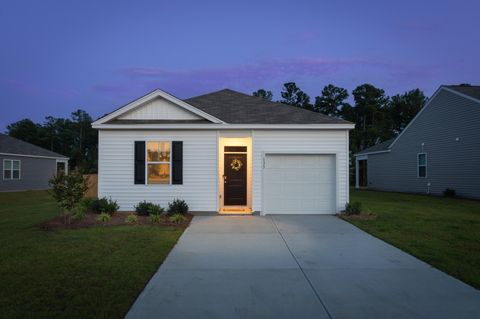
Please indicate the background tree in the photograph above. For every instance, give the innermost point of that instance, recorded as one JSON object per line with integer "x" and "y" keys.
{"x": 26, "y": 130}
{"x": 292, "y": 95}
{"x": 402, "y": 108}
{"x": 267, "y": 95}
{"x": 370, "y": 116}
{"x": 72, "y": 137}
{"x": 332, "y": 100}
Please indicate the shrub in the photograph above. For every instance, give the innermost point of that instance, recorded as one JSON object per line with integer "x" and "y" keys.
{"x": 104, "y": 205}
{"x": 88, "y": 202}
{"x": 449, "y": 192}
{"x": 177, "y": 218}
{"x": 354, "y": 208}
{"x": 142, "y": 208}
{"x": 131, "y": 219}
{"x": 146, "y": 208}
{"x": 103, "y": 218}
{"x": 79, "y": 211}
{"x": 68, "y": 191}
{"x": 178, "y": 206}
{"x": 155, "y": 209}
{"x": 155, "y": 218}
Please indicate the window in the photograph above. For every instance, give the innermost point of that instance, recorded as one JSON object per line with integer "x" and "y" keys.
{"x": 422, "y": 165}
{"x": 158, "y": 162}
{"x": 11, "y": 169}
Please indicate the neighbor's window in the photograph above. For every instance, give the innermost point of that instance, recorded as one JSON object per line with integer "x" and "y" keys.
{"x": 158, "y": 162}
{"x": 11, "y": 169}
{"x": 422, "y": 165}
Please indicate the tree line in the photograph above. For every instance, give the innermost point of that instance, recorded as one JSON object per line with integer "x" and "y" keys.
{"x": 377, "y": 117}
{"x": 72, "y": 137}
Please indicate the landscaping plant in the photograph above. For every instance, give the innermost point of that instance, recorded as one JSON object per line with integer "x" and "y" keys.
{"x": 79, "y": 211}
{"x": 177, "y": 218}
{"x": 104, "y": 205}
{"x": 146, "y": 208}
{"x": 131, "y": 219}
{"x": 68, "y": 191}
{"x": 178, "y": 206}
{"x": 103, "y": 218}
{"x": 155, "y": 218}
{"x": 354, "y": 208}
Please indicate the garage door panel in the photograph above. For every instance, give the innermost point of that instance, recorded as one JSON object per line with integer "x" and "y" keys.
{"x": 295, "y": 184}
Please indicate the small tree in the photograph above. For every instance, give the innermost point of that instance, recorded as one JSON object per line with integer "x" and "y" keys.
{"x": 68, "y": 191}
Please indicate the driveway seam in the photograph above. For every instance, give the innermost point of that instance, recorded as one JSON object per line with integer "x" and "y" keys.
{"x": 320, "y": 299}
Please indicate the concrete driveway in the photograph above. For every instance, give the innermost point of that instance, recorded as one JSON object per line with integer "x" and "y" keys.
{"x": 296, "y": 267}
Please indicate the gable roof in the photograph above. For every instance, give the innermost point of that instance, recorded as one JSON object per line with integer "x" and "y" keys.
{"x": 469, "y": 90}
{"x": 150, "y": 96}
{"x": 378, "y": 148}
{"x": 239, "y": 108}
{"x": 11, "y": 145}
{"x": 222, "y": 109}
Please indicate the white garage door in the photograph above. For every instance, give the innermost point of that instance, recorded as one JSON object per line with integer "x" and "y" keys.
{"x": 299, "y": 184}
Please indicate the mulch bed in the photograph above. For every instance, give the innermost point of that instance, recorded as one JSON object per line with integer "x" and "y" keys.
{"x": 361, "y": 216}
{"x": 118, "y": 219}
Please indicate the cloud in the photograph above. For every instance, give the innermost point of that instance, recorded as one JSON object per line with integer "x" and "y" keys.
{"x": 248, "y": 76}
{"x": 33, "y": 89}
{"x": 310, "y": 73}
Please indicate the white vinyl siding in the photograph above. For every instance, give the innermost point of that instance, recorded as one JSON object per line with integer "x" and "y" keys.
{"x": 116, "y": 169}
{"x": 159, "y": 108}
{"x": 200, "y": 166}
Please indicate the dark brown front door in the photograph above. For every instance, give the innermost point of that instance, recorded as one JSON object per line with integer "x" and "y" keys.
{"x": 235, "y": 179}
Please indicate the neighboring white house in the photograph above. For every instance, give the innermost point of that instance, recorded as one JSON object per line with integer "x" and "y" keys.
{"x": 224, "y": 152}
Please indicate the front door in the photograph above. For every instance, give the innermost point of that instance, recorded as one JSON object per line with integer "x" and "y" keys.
{"x": 235, "y": 180}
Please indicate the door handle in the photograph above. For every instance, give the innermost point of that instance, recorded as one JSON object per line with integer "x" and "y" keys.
{"x": 224, "y": 179}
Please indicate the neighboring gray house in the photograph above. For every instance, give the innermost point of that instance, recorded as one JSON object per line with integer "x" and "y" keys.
{"x": 439, "y": 149}
{"x": 25, "y": 166}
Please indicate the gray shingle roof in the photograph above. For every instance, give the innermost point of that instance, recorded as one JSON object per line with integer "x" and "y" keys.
{"x": 238, "y": 108}
{"x": 377, "y": 148}
{"x": 12, "y": 145}
{"x": 472, "y": 91}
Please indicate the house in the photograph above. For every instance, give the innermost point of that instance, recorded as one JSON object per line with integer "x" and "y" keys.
{"x": 224, "y": 152}
{"x": 439, "y": 149}
{"x": 26, "y": 166}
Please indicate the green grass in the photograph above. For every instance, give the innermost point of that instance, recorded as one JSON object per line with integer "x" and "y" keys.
{"x": 84, "y": 273}
{"x": 444, "y": 232}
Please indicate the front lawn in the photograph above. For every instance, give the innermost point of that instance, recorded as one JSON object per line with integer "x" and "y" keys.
{"x": 443, "y": 232}
{"x": 83, "y": 273}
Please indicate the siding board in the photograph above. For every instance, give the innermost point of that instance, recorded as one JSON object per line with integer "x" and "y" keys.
{"x": 451, "y": 163}
{"x": 200, "y": 168}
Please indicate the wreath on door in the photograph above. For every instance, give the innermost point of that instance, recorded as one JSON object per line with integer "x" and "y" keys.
{"x": 236, "y": 165}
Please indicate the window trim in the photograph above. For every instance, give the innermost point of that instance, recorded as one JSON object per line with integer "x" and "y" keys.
{"x": 11, "y": 170}
{"x": 147, "y": 162}
{"x": 425, "y": 165}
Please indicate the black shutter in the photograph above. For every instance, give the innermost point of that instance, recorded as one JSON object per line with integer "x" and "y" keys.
{"x": 139, "y": 162}
{"x": 177, "y": 162}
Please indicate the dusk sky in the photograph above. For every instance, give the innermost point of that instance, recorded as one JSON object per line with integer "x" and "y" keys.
{"x": 57, "y": 56}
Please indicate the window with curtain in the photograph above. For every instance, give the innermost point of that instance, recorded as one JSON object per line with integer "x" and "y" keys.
{"x": 158, "y": 162}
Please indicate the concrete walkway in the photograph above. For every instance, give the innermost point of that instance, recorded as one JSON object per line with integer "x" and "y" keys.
{"x": 296, "y": 267}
